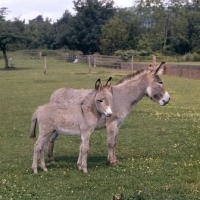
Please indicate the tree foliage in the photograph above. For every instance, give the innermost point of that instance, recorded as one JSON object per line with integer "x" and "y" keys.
{"x": 86, "y": 28}
{"x": 120, "y": 32}
{"x": 11, "y": 33}
{"x": 168, "y": 27}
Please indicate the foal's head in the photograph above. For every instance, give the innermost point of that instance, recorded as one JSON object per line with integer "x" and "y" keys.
{"x": 103, "y": 98}
{"x": 156, "y": 90}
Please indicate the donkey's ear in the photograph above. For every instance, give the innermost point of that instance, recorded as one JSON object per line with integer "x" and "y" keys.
{"x": 150, "y": 67}
{"x": 108, "y": 83}
{"x": 98, "y": 85}
{"x": 157, "y": 68}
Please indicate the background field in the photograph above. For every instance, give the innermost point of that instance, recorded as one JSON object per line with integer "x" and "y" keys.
{"x": 158, "y": 147}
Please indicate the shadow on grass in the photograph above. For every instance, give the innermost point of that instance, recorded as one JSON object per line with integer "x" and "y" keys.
{"x": 71, "y": 162}
{"x": 15, "y": 68}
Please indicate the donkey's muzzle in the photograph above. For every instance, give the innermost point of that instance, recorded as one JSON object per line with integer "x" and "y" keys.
{"x": 165, "y": 99}
{"x": 108, "y": 112}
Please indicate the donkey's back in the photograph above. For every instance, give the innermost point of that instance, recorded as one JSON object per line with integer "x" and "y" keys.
{"x": 70, "y": 96}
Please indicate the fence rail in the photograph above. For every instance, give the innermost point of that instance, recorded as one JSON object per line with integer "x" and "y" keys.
{"x": 96, "y": 60}
{"x": 107, "y": 61}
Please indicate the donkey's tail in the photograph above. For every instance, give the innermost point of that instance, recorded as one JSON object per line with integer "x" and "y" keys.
{"x": 33, "y": 125}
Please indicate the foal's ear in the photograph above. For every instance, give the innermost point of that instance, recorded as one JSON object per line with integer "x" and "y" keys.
{"x": 98, "y": 85}
{"x": 108, "y": 83}
{"x": 157, "y": 68}
{"x": 150, "y": 67}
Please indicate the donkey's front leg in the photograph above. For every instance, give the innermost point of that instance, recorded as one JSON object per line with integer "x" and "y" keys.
{"x": 84, "y": 148}
{"x": 112, "y": 131}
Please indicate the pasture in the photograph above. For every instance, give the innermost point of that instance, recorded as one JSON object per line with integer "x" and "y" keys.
{"x": 158, "y": 147}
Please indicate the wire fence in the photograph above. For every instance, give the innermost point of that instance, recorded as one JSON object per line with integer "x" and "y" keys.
{"x": 183, "y": 70}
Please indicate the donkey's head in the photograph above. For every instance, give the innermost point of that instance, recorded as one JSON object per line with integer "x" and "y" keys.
{"x": 103, "y": 98}
{"x": 156, "y": 91}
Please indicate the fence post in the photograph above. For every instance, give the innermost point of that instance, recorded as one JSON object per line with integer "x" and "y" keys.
{"x": 132, "y": 63}
{"x": 45, "y": 64}
{"x": 89, "y": 65}
{"x": 154, "y": 60}
{"x": 95, "y": 59}
{"x": 40, "y": 55}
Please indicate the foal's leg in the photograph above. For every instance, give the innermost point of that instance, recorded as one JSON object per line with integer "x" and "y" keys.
{"x": 84, "y": 148}
{"x": 42, "y": 156}
{"x": 37, "y": 151}
{"x": 51, "y": 147}
{"x": 112, "y": 130}
{"x": 35, "y": 157}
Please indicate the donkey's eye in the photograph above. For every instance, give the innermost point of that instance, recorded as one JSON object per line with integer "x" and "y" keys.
{"x": 160, "y": 82}
{"x": 100, "y": 101}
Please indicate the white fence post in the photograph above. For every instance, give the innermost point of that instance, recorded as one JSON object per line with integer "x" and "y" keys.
{"x": 132, "y": 63}
{"x": 89, "y": 65}
{"x": 154, "y": 60}
{"x": 45, "y": 65}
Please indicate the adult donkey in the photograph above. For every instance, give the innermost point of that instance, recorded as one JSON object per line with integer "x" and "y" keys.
{"x": 71, "y": 120}
{"x": 126, "y": 93}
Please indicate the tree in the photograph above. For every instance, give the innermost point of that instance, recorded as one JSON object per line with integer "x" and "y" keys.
{"x": 63, "y": 30}
{"x": 114, "y": 36}
{"x": 85, "y": 31}
{"x": 3, "y": 13}
{"x": 10, "y": 33}
{"x": 120, "y": 32}
{"x": 41, "y": 33}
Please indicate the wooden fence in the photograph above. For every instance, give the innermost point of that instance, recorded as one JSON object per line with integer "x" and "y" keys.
{"x": 73, "y": 58}
{"x": 95, "y": 60}
{"x": 107, "y": 61}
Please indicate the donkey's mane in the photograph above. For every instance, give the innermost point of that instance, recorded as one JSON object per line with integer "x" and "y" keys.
{"x": 131, "y": 76}
{"x": 88, "y": 98}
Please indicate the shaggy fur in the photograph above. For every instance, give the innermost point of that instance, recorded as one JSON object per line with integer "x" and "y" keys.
{"x": 126, "y": 93}
{"x": 55, "y": 118}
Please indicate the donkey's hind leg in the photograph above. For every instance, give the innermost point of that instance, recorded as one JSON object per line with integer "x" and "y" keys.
{"x": 39, "y": 150}
{"x": 51, "y": 146}
{"x": 35, "y": 157}
{"x": 42, "y": 156}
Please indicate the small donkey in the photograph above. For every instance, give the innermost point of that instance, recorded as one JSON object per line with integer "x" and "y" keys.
{"x": 71, "y": 120}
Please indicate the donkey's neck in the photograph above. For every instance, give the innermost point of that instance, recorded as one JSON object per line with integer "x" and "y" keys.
{"x": 89, "y": 107}
{"x": 130, "y": 91}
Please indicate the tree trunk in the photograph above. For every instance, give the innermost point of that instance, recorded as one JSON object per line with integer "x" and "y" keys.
{"x": 3, "y": 48}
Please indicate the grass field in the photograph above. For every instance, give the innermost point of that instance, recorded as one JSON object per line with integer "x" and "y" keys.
{"x": 158, "y": 147}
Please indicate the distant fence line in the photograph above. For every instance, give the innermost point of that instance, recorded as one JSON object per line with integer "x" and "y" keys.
{"x": 95, "y": 60}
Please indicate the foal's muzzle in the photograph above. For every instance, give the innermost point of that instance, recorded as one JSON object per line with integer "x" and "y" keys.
{"x": 108, "y": 112}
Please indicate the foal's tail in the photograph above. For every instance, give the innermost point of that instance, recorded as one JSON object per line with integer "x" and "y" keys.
{"x": 33, "y": 125}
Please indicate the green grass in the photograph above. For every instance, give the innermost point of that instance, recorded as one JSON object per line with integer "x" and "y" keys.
{"x": 158, "y": 147}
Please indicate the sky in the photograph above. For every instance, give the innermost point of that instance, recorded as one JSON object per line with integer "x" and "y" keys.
{"x": 53, "y": 9}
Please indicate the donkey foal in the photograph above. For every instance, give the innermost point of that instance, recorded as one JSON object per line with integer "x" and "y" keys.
{"x": 71, "y": 120}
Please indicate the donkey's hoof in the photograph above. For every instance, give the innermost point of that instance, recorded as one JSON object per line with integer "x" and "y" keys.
{"x": 85, "y": 171}
{"x": 35, "y": 171}
{"x": 114, "y": 162}
{"x": 51, "y": 160}
{"x": 79, "y": 167}
{"x": 45, "y": 169}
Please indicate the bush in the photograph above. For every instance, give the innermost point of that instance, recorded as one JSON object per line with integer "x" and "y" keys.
{"x": 187, "y": 57}
{"x": 196, "y": 56}
{"x": 127, "y": 54}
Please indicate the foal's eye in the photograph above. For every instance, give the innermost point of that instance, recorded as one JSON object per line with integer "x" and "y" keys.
{"x": 100, "y": 101}
{"x": 160, "y": 82}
